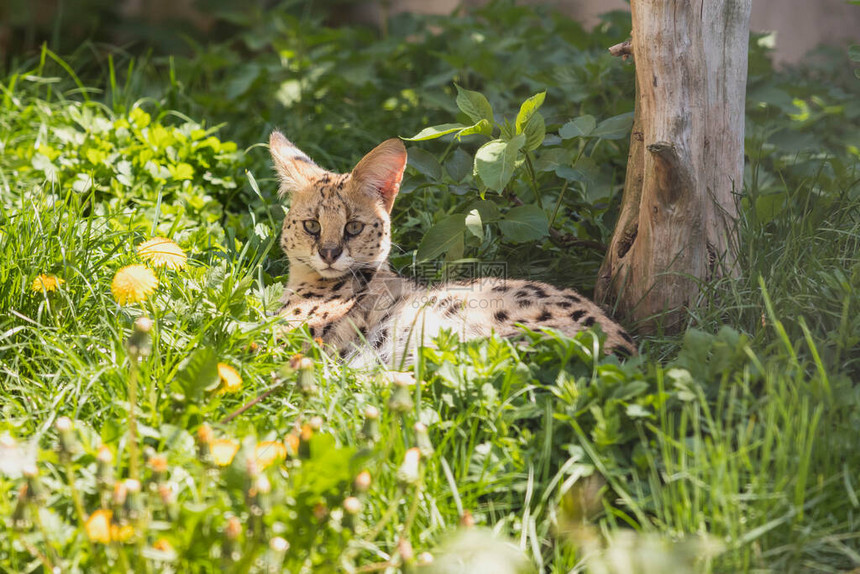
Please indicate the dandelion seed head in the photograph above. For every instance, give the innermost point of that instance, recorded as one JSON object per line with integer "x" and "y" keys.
{"x": 351, "y": 505}
{"x": 362, "y": 481}
{"x": 278, "y": 544}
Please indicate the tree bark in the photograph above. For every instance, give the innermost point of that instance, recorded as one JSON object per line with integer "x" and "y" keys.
{"x": 676, "y": 225}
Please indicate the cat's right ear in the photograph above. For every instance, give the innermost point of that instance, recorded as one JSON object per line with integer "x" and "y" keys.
{"x": 295, "y": 169}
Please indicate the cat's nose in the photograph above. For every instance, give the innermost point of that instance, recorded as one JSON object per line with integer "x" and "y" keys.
{"x": 330, "y": 254}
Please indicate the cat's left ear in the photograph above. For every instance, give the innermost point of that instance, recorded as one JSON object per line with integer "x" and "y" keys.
{"x": 381, "y": 170}
{"x": 296, "y": 170}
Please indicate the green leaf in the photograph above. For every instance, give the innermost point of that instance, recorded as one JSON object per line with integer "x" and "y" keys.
{"x": 528, "y": 109}
{"x": 181, "y": 171}
{"x": 635, "y": 411}
{"x": 434, "y": 132}
{"x": 459, "y": 165}
{"x": 474, "y": 224}
{"x": 614, "y": 128}
{"x": 488, "y": 210}
{"x": 585, "y": 170}
{"x": 524, "y": 223}
{"x": 483, "y": 127}
{"x": 551, "y": 158}
{"x": 474, "y": 104}
{"x": 425, "y": 162}
{"x": 495, "y": 161}
{"x": 197, "y": 373}
{"x": 535, "y": 132}
{"x": 854, "y": 53}
{"x": 441, "y": 237}
{"x": 579, "y": 127}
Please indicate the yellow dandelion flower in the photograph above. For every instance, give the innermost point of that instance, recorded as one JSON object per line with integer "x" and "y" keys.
{"x": 230, "y": 379}
{"x": 98, "y": 526}
{"x": 291, "y": 442}
{"x": 46, "y": 283}
{"x": 133, "y": 283}
{"x": 223, "y": 450}
{"x": 121, "y": 533}
{"x": 162, "y": 252}
{"x": 267, "y": 452}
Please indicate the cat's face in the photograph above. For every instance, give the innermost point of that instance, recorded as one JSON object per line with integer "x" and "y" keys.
{"x": 338, "y": 224}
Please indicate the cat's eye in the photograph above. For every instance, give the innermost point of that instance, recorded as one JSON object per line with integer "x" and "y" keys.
{"x": 312, "y": 226}
{"x": 354, "y": 227}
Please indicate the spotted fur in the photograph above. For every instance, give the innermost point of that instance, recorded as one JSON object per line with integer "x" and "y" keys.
{"x": 337, "y": 235}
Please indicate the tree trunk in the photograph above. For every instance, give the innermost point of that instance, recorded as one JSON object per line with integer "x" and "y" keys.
{"x": 676, "y": 226}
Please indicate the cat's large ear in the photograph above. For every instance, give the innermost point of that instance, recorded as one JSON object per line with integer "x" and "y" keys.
{"x": 295, "y": 169}
{"x": 381, "y": 170}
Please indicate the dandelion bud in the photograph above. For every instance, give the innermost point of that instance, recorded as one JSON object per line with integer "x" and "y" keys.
{"x": 158, "y": 466}
{"x": 205, "y": 436}
{"x": 120, "y": 493}
{"x": 104, "y": 469}
{"x": 233, "y": 529}
{"x": 466, "y": 519}
{"x": 278, "y": 544}
{"x": 422, "y": 440}
{"x": 67, "y": 443}
{"x": 307, "y": 433}
{"x": 35, "y": 492}
{"x": 370, "y": 429}
{"x": 277, "y": 549}
{"x": 252, "y": 468}
{"x": 230, "y": 546}
{"x": 165, "y": 493}
{"x": 409, "y": 472}
{"x": 404, "y": 547}
{"x": 291, "y": 441}
{"x": 401, "y": 397}
{"x": 258, "y": 495}
{"x": 320, "y": 511}
{"x": 19, "y": 515}
{"x": 362, "y": 481}
{"x": 351, "y": 509}
{"x": 133, "y": 506}
{"x": 143, "y": 325}
{"x": 295, "y": 360}
{"x": 425, "y": 559}
{"x": 139, "y": 344}
{"x": 163, "y": 545}
{"x": 168, "y": 498}
{"x": 351, "y": 505}
{"x": 306, "y": 383}
{"x": 257, "y": 499}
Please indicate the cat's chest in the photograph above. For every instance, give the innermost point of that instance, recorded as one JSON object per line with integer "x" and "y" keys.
{"x": 339, "y": 310}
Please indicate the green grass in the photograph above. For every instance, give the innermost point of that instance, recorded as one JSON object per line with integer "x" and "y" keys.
{"x": 728, "y": 448}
